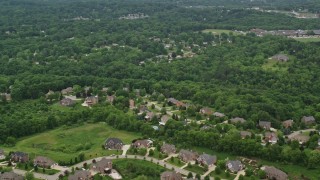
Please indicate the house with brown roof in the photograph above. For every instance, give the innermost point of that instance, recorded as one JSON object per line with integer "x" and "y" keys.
{"x": 245, "y": 134}
{"x": 67, "y": 102}
{"x": 144, "y": 143}
{"x": 287, "y": 123}
{"x": 143, "y": 109}
{"x": 10, "y": 176}
{"x": 301, "y": 138}
{"x": 219, "y": 115}
{"x": 103, "y": 166}
{"x": 308, "y": 120}
{"x": 111, "y": 99}
{"x": 274, "y": 173}
{"x": 67, "y": 91}
{"x": 206, "y": 111}
{"x": 206, "y": 159}
{"x": 92, "y": 100}
{"x": 2, "y": 155}
{"x": 43, "y": 162}
{"x": 172, "y": 101}
{"x": 19, "y": 157}
{"x": 237, "y": 120}
{"x": 113, "y": 143}
{"x": 265, "y": 125}
{"x": 149, "y": 115}
{"x": 164, "y": 120}
{"x": 187, "y": 156}
{"x": 80, "y": 175}
{"x": 131, "y": 104}
{"x": 234, "y": 166}
{"x": 271, "y": 137}
{"x": 171, "y": 175}
{"x": 168, "y": 149}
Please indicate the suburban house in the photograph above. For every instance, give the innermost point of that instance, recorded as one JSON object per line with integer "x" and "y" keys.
{"x": 164, "y": 120}
{"x": 103, "y": 166}
{"x": 113, "y": 143}
{"x": 237, "y": 120}
{"x": 6, "y": 96}
{"x": 280, "y": 57}
{"x": 188, "y": 156}
{"x": 301, "y": 138}
{"x": 271, "y": 137}
{"x": 206, "y": 111}
{"x": 131, "y": 104}
{"x": 265, "y": 125}
{"x": 19, "y": 157}
{"x": 218, "y": 114}
{"x": 67, "y": 91}
{"x": 67, "y": 102}
{"x": 43, "y": 162}
{"x": 104, "y": 90}
{"x": 80, "y": 175}
{"x": 168, "y": 149}
{"x": 245, "y": 134}
{"x": 206, "y": 159}
{"x": 144, "y": 143}
{"x": 2, "y": 155}
{"x": 274, "y": 173}
{"x": 92, "y": 100}
{"x": 234, "y": 166}
{"x": 49, "y": 93}
{"x": 171, "y": 175}
{"x": 287, "y": 123}
{"x": 308, "y": 120}
{"x": 149, "y": 116}
{"x": 10, "y": 176}
{"x": 111, "y": 99}
{"x": 143, "y": 109}
{"x": 175, "y": 102}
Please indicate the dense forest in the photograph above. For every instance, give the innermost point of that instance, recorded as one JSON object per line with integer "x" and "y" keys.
{"x": 51, "y": 45}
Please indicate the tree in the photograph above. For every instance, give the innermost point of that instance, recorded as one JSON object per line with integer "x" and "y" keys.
{"x": 36, "y": 168}
{"x": 198, "y": 176}
{"x": 151, "y": 152}
{"x": 190, "y": 175}
{"x": 29, "y": 176}
{"x": 261, "y": 174}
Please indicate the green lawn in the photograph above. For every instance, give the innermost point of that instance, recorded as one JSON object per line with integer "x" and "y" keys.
{"x": 66, "y": 143}
{"x": 220, "y": 31}
{"x": 130, "y": 169}
{"x": 223, "y": 175}
{"x": 307, "y": 40}
{"x": 220, "y": 155}
{"x": 137, "y": 151}
{"x": 158, "y": 155}
{"x": 196, "y": 169}
{"x": 275, "y": 65}
{"x": 176, "y": 161}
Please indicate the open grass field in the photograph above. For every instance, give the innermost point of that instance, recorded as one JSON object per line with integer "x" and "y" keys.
{"x": 308, "y": 40}
{"x": 67, "y": 142}
{"x": 196, "y": 169}
{"x": 220, "y": 31}
{"x": 275, "y": 65}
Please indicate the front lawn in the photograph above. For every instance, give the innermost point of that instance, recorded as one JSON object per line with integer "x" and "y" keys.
{"x": 137, "y": 151}
{"x": 158, "y": 155}
{"x": 175, "y": 161}
{"x": 196, "y": 169}
{"x": 223, "y": 175}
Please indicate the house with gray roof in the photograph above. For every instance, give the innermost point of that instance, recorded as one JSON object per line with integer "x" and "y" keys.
{"x": 265, "y": 125}
{"x": 308, "y": 120}
{"x": 42, "y": 161}
{"x": 171, "y": 175}
{"x": 206, "y": 159}
{"x": 237, "y": 120}
{"x": 280, "y": 57}
{"x": 103, "y": 166}
{"x": 188, "y": 156}
{"x": 234, "y": 166}
{"x": 80, "y": 175}
{"x": 113, "y": 143}
{"x": 10, "y": 176}
{"x": 245, "y": 134}
{"x": 19, "y": 157}
{"x": 168, "y": 149}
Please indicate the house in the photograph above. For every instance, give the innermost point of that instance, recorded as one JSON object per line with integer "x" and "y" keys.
{"x": 49, "y": 94}
{"x": 206, "y": 159}
{"x": 280, "y": 57}
{"x": 67, "y": 102}
{"x": 103, "y": 166}
{"x": 171, "y": 175}
{"x": 111, "y": 99}
{"x": 113, "y": 143}
{"x": 80, "y": 175}
{"x": 265, "y": 125}
{"x": 301, "y": 138}
{"x": 287, "y": 123}
{"x": 308, "y": 120}
{"x": 168, "y": 149}
{"x": 67, "y": 91}
{"x": 131, "y": 104}
{"x": 234, "y": 166}
{"x": 92, "y": 100}
{"x": 43, "y": 162}
{"x": 149, "y": 116}
{"x": 245, "y": 134}
{"x": 104, "y": 90}
{"x": 164, "y": 120}
{"x": 206, "y": 111}
{"x": 220, "y": 115}
{"x": 6, "y": 96}
{"x": 19, "y": 157}
{"x": 2, "y": 155}
{"x": 10, "y": 176}
{"x": 172, "y": 101}
{"x": 274, "y": 173}
{"x": 144, "y": 143}
{"x": 271, "y": 137}
{"x": 188, "y": 156}
{"x": 237, "y": 120}
{"x": 143, "y": 108}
